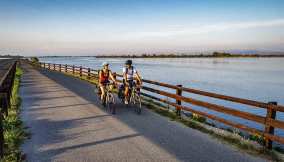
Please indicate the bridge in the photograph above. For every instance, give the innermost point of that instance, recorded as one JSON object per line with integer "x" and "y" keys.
{"x": 68, "y": 123}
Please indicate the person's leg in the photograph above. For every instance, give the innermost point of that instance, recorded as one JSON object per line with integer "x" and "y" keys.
{"x": 126, "y": 94}
{"x": 111, "y": 87}
{"x": 138, "y": 86}
{"x": 126, "y": 91}
{"x": 102, "y": 91}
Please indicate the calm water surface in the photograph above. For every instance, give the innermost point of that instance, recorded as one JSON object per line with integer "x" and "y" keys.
{"x": 260, "y": 79}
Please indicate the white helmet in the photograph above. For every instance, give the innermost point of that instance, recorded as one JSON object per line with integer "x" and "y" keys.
{"x": 105, "y": 63}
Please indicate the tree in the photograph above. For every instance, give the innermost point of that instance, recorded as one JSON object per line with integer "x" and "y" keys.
{"x": 34, "y": 60}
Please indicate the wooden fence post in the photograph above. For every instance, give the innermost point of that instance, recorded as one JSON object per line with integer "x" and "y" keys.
{"x": 54, "y": 67}
{"x": 80, "y": 71}
{"x": 65, "y": 68}
{"x": 73, "y": 69}
{"x": 89, "y": 73}
{"x": 59, "y": 67}
{"x": 48, "y": 66}
{"x": 178, "y": 92}
{"x": 271, "y": 114}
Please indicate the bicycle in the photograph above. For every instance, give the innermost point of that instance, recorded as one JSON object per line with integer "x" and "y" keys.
{"x": 134, "y": 98}
{"x": 108, "y": 98}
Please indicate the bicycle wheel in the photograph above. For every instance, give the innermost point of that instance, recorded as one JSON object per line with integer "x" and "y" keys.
{"x": 132, "y": 98}
{"x": 138, "y": 104}
{"x": 107, "y": 103}
{"x": 98, "y": 93}
{"x": 104, "y": 101}
{"x": 111, "y": 103}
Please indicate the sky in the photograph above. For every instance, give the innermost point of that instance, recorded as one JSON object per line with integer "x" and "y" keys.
{"x": 97, "y": 27}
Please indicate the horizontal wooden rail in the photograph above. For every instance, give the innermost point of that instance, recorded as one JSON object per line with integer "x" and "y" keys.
{"x": 215, "y": 95}
{"x": 222, "y": 109}
{"x": 268, "y": 121}
{"x": 236, "y": 125}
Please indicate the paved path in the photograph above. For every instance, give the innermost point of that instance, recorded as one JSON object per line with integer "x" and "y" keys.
{"x": 67, "y": 124}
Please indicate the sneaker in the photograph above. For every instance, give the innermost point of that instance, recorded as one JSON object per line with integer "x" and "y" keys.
{"x": 126, "y": 102}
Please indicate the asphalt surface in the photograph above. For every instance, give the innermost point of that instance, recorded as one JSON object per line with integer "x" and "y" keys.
{"x": 68, "y": 124}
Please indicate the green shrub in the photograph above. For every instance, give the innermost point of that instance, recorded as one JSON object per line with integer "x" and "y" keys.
{"x": 34, "y": 60}
{"x": 14, "y": 133}
{"x": 199, "y": 118}
{"x": 257, "y": 137}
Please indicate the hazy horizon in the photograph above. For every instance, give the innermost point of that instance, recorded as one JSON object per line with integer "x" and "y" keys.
{"x": 39, "y": 27}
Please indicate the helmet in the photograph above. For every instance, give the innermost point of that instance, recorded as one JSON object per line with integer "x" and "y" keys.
{"x": 105, "y": 63}
{"x": 128, "y": 62}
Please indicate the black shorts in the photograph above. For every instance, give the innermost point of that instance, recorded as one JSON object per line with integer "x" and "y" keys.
{"x": 131, "y": 83}
{"x": 104, "y": 83}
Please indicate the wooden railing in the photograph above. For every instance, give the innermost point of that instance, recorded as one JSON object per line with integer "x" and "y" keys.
{"x": 269, "y": 121}
{"x": 6, "y": 85}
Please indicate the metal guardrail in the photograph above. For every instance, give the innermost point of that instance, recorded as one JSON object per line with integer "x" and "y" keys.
{"x": 6, "y": 85}
{"x": 269, "y": 121}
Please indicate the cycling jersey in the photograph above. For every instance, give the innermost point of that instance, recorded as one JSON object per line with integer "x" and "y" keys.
{"x": 129, "y": 72}
{"x": 104, "y": 77}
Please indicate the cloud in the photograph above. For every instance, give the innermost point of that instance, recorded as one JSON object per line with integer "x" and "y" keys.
{"x": 186, "y": 30}
{"x": 148, "y": 38}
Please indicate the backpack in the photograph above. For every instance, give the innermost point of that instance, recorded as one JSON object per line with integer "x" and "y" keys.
{"x": 131, "y": 69}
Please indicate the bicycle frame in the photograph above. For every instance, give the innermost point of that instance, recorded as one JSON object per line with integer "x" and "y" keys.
{"x": 135, "y": 98}
{"x": 109, "y": 95}
{"x": 109, "y": 98}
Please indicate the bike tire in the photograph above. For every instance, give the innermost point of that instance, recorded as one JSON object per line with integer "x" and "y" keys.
{"x": 107, "y": 103}
{"x": 104, "y": 101}
{"x": 138, "y": 104}
{"x": 111, "y": 104}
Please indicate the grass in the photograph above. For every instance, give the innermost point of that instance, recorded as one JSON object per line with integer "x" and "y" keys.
{"x": 14, "y": 133}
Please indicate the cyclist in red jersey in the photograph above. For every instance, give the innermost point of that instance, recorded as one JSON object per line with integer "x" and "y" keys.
{"x": 104, "y": 75}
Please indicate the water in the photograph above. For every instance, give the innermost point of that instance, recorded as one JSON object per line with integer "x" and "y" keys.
{"x": 260, "y": 79}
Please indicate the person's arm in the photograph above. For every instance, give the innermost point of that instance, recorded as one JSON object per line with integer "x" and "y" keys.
{"x": 111, "y": 77}
{"x": 124, "y": 75}
{"x": 138, "y": 76}
{"x": 100, "y": 75}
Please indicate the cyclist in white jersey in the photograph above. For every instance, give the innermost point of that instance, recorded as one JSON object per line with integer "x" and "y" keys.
{"x": 129, "y": 75}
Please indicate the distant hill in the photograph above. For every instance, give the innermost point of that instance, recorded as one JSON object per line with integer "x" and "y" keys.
{"x": 263, "y": 52}
{"x": 218, "y": 53}
{"x": 9, "y": 56}
{"x": 213, "y": 55}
